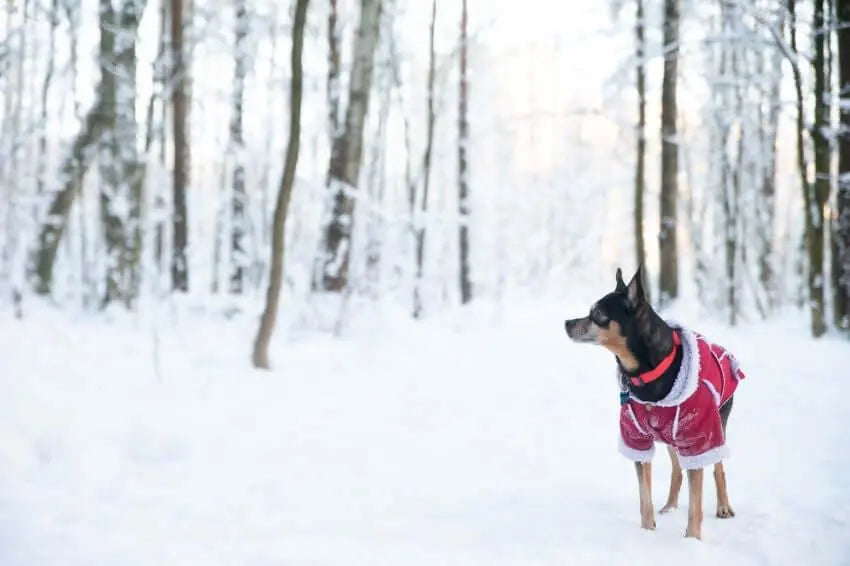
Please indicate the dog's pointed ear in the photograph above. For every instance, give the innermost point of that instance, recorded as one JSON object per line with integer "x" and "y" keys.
{"x": 634, "y": 291}
{"x": 621, "y": 285}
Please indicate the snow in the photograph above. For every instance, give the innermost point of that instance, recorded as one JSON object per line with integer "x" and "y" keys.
{"x": 478, "y": 437}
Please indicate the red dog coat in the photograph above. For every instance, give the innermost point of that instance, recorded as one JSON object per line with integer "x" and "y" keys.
{"x": 689, "y": 417}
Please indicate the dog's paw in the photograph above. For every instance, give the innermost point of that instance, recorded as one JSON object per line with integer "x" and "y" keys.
{"x": 725, "y": 512}
{"x": 648, "y": 524}
{"x": 669, "y": 506}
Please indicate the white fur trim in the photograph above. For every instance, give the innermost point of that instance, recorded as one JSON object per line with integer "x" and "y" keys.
{"x": 635, "y": 421}
{"x": 736, "y": 367}
{"x": 708, "y": 458}
{"x": 676, "y": 422}
{"x": 713, "y": 391}
{"x": 687, "y": 380}
{"x": 636, "y": 455}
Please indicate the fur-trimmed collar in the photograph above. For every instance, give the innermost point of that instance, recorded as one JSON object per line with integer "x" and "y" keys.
{"x": 687, "y": 380}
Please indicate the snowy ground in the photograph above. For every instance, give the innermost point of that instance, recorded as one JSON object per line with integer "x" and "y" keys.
{"x": 479, "y": 439}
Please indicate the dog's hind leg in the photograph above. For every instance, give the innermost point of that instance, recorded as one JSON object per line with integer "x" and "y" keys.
{"x": 694, "y": 529}
{"x": 675, "y": 481}
{"x": 724, "y": 509}
{"x": 647, "y": 512}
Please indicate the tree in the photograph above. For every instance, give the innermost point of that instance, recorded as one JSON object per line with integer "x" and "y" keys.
{"x": 237, "y": 147}
{"x": 333, "y": 70}
{"x": 821, "y": 144}
{"x": 841, "y": 233}
{"x": 181, "y": 167}
{"x": 430, "y": 121}
{"x": 120, "y": 194}
{"x": 463, "y": 166}
{"x": 640, "y": 161}
{"x": 669, "y": 268}
{"x": 95, "y": 123}
{"x": 260, "y": 356}
{"x": 767, "y": 211}
{"x": 346, "y": 155}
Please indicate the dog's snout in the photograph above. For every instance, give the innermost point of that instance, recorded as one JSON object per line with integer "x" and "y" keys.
{"x": 580, "y": 330}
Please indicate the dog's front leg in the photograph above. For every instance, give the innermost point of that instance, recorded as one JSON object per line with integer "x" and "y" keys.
{"x": 694, "y": 504}
{"x": 675, "y": 481}
{"x": 647, "y": 513}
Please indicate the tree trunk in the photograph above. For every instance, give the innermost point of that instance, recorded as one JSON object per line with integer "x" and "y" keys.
{"x": 767, "y": 260}
{"x": 267, "y": 321}
{"x": 426, "y": 166}
{"x": 96, "y": 122}
{"x": 346, "y": 154}
{"x": 802, "y": 160}
{"x": 640, "y": 161}
{"x": 333, "y": 71}
{"x": 180, "y": 174}
{"x": 463, "y": 168}
{"x": 120, "y": 198}
{"x": 822, "y": 173}
{"x": 13, "y": 54}
{"x": 45, "y": 91}
{"x": 669, "y": 268}
{"x": 238, "y": 254}
{"x": 377, "y": 189}
{"x": 841, "y": 234}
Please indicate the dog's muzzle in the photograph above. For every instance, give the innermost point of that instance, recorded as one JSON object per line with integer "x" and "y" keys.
{"x": 581, "y": 330}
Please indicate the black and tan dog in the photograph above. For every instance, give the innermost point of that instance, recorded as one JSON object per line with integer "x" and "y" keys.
{"x": 676, "y": 388}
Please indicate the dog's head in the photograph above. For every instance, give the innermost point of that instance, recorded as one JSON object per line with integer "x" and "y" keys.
{"x": 613, "y": 318}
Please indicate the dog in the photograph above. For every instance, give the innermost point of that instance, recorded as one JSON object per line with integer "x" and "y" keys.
{"x": 675, "y": 388}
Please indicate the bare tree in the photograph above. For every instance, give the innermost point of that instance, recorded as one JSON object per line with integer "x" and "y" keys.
{"x": 346, "y": 155}
{"x": 821, "y": 187}
{"x": 772, "y": 64}
{"x": 45, "y": 91}
{"x": 120, "y": 195}
{"x": 237, "y": 145}
{"x": 669, "y": 268}
{"x": 463, "y": 165}
{"x": 260, "y": 356}
{"x": 180, "y": 130}
{"x": 95, "y": 123}
{"x": 431, "y": 119}
{"x": 841, "y": 233}
{"x": 333, "y": 70}
{"x": 640, "y": 161}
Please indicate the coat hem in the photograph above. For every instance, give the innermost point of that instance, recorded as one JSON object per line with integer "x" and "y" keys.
{"x": 707, "y": 458}
{"x": 636, "y": 455}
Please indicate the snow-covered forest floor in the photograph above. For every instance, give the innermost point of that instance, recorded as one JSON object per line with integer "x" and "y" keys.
{"x": 476, "y": 437}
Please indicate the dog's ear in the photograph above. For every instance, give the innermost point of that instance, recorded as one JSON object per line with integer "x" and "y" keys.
{"x": 621, "y": 286}
{"x": 634, "y": 291}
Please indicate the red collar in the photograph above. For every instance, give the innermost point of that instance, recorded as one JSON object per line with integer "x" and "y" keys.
{"x": 658, "y": 371}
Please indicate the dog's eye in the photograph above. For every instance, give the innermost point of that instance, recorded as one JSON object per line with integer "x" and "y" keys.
{"x": 598, "y": 317}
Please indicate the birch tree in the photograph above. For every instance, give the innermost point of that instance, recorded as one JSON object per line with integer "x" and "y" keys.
{"x": 430, "y": 120}
{"x": 346, "y": 156}
{"x": 120, "y": 195}
{"x": 82, "y": 149}
{"x": 462, "y": 161}
{"x": 238, "y": 254}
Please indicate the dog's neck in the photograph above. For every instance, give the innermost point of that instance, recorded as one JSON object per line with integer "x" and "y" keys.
{"x": 652, "y": 343}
